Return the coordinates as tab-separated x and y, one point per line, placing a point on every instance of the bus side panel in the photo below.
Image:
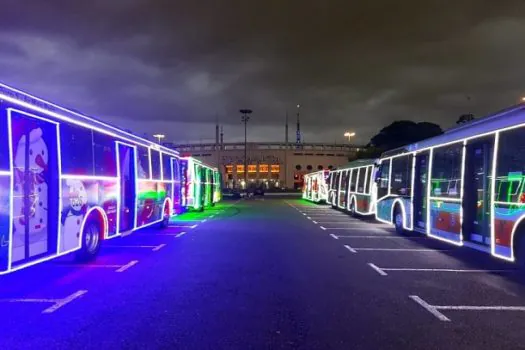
4	222
505	218
445	220
80	195
384	209
150	199
362	203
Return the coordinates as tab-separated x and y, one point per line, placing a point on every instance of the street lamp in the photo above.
349	135
523	99
245	118
159	137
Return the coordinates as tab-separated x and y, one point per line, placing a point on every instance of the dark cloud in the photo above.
177	66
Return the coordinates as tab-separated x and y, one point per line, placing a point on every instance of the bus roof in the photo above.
357	163
37	104
509	117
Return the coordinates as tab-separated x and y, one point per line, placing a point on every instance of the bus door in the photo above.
420	190
35	187
126	156
476	190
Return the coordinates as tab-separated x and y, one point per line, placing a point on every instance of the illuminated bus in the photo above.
465	187
202	184
68	181
315	187
353	187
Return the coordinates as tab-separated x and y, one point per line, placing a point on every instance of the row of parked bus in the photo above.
69	181
464	187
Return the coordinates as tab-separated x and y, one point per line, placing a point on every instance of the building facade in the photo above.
271	164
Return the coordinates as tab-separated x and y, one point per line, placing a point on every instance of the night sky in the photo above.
173	66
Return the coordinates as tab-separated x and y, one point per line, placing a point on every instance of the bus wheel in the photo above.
352	208
90	242
519	250
166	219
398	221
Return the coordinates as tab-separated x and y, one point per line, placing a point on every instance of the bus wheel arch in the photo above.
93	230
352	207
398	217
518	241
166	213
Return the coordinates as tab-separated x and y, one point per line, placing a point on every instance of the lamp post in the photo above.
245	118
159	137
349	135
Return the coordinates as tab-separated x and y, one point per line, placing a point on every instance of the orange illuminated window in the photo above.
263	168
275	168
229	169
240	168
252	168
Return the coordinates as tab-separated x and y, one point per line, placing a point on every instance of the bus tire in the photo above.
519	247
166	218
352	208
398	221
91	240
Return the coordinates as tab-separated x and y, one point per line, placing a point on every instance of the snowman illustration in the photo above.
75	208
30	183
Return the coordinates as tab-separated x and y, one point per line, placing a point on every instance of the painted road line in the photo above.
180	234
315	222
354	228
378	270
131	246
409	269
192	227
352	250
309	218
432	309
402	249
204	220
127	266
57	303
322	228
159	247
62	302
334	236
380	235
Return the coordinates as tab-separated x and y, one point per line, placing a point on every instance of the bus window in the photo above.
446	171
510	167
370	178
166	167
383	185
155	164
401	175
143	163
77	150
353	180
4	145
104	155
361	180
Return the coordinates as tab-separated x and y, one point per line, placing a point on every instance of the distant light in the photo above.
523	99
298	106
348	134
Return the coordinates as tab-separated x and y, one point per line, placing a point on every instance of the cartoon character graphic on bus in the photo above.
75	207
30	193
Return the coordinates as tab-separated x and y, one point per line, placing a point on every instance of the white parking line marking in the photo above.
57	303
192	227
180	234
127	266
204	220
350	248
379	270
334	236
429	308
315	222
309	218
379	235
322	228
409	269
403	249
159	247
62	302
355	228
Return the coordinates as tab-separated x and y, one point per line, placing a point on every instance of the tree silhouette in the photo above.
465	118
403	132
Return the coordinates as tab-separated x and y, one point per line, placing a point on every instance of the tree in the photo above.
465	118
403	132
